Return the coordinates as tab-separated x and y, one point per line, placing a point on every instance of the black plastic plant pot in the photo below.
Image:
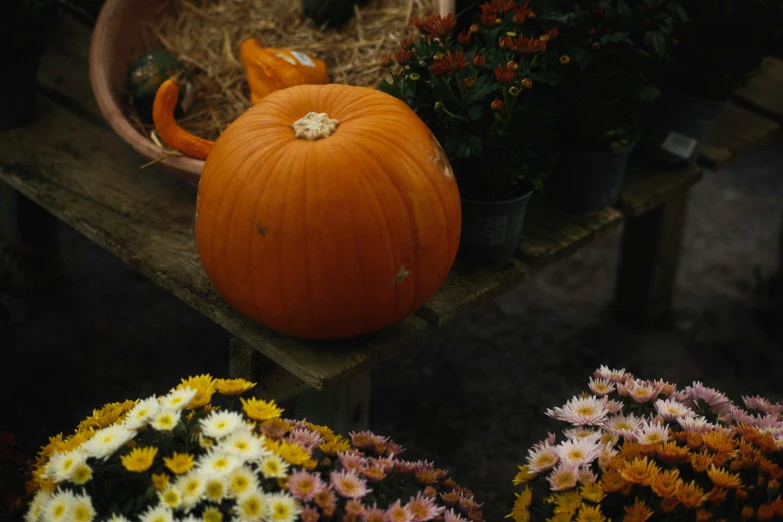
17	94
491	229
586	181
677	128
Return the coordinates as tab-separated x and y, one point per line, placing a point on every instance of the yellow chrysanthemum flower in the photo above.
160	480
589	513
204	386
179	463
560	517
334	446
260	410
638	512
567	502
139	459
292	453
521	510
323	431
592	492
524	475
233	386
309	464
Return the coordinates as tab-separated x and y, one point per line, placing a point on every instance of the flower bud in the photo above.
512	65
565	59
527	83
544	37
438	106
479	60
468	83
496	105
513	91
403	56
475	28
414	76
386	60
407	44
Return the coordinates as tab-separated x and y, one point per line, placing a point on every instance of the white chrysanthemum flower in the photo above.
141	414
604	372
563	477
191	486
61	465
273	466
115	517
626	426
605	456
58	509
166	419
586	476
177	399
216	463
190	518
577	452
283	507
245	445
171	497
216	489
542	457
601	386
581	411
159	513
242	480
221	424
108	440
652	433
670	409
253	506
37	506
695	424
82	509
583	433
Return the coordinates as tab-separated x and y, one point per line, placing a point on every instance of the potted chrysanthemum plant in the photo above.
705	67
204	452
613	51
636	450
471	88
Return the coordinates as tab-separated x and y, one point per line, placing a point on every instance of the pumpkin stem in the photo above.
169	131
314	126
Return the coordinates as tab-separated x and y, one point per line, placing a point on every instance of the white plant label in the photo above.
680	145
303	59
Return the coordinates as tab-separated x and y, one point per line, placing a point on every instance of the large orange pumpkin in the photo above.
327	211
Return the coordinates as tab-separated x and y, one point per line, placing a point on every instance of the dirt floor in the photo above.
471	396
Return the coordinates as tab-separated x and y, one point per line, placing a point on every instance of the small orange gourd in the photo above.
269	69
167	127
327	211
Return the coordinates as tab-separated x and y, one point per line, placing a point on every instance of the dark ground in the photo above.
471	396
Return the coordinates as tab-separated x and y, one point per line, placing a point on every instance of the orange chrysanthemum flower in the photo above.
703	515
724	479
638	512
748	513
639	471
612	481
765	512
669	504
690	495
666	483
777	505
671	453
717	495
770	468
719	442
695	440
740	494
701	461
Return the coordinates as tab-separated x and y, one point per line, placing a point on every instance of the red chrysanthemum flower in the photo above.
436	26
450	63
504	74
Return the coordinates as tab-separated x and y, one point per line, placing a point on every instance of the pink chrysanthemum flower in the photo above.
305	438
424	508
354	507
398	513
352	460
769	424
309	514
468	504
542	457
605	456
304	485
583	433
404	466
762	404
384	463
586	476
622	390
452	516
581	411
717	401
374	514
563	477
614	407
348	484
369	441
601	386
577	452
695	424
603	372
652	433
738	415
666	389
374	473
670	409
642	391
626	426
392	449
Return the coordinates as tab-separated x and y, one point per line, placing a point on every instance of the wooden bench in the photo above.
72	165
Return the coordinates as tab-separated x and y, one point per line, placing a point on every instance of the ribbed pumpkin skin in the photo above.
314	238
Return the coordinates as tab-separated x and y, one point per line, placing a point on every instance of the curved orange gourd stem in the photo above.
169	131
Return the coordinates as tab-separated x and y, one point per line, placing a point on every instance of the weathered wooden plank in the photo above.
274	381
764	91
737	132
467	287
550	233
647	186
87	177
649	260
345	408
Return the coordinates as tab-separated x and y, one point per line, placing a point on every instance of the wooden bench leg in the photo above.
344	408
648	263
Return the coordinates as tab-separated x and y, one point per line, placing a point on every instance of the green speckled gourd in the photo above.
333	13
145	74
